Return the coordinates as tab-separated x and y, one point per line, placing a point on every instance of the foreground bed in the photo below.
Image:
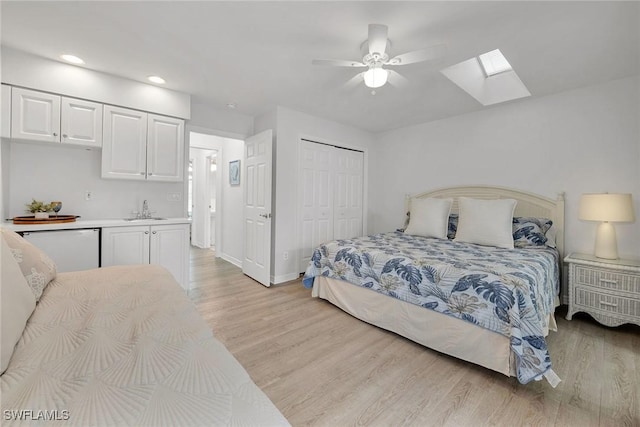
124	346
489	306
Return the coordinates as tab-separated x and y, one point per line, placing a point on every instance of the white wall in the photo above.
23	69
60	173
290	127
231	215
226	123
582	141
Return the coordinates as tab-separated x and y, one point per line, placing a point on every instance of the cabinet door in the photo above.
165	148
5	112
35	115
124	143
170	249
125	245
81	122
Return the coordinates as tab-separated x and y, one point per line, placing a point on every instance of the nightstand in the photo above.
609	290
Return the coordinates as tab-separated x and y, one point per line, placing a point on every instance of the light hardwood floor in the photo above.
322	367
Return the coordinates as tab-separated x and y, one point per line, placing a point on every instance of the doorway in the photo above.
203	171
216	217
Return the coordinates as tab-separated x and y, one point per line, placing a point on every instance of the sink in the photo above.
154	218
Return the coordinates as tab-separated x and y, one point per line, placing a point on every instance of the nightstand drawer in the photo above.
587	297
607	279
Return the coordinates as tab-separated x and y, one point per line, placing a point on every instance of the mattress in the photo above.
511	292
125	346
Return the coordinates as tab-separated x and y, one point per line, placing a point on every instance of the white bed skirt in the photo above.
435	330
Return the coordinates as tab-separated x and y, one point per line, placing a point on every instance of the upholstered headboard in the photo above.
529	204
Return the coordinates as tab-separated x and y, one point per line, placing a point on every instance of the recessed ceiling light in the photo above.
72	58
156	79
232	105
494	63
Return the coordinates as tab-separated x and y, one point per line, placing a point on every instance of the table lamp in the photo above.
607	208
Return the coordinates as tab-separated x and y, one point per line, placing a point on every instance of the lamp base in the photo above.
606	242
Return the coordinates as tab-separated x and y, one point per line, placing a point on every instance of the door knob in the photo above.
268	215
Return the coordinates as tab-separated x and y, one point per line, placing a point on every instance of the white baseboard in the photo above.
232	260
284	278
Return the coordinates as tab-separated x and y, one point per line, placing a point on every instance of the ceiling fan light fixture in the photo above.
376	77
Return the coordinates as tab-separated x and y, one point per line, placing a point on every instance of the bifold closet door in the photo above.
347	201
315	197
330	195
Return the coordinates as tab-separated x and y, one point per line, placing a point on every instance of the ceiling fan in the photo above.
376	57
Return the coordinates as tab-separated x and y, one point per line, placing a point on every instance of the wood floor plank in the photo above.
323	367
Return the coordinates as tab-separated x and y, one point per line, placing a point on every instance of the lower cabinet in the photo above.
165	245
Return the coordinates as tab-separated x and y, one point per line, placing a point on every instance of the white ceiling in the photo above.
258	54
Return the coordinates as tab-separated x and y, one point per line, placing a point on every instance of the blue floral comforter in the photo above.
509	291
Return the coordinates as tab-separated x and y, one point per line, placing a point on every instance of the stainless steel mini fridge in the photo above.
71	250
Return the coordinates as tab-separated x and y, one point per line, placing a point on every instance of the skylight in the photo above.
488	78
494	63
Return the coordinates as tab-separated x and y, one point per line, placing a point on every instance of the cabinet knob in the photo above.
154	232
64	135
55	134
146	232
150	173
141	173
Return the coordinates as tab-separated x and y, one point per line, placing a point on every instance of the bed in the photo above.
113	346
490	306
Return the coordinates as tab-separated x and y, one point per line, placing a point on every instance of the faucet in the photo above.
145	210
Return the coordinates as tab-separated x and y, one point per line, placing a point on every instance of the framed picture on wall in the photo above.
234	172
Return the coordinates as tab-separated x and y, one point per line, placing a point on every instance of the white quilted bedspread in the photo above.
125	346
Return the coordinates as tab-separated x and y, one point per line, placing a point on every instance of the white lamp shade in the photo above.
606	207
376	77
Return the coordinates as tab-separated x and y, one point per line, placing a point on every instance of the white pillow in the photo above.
429	217
36	266
16	304
486	222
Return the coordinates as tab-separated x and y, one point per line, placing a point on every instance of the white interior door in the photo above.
316	196
256	260
348	193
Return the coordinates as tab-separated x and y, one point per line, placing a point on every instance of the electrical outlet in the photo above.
88	195
174	197
285	255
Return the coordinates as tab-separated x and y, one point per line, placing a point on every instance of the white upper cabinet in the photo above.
165	148
81	122
39	116
124	143
35	115
5	112
137	145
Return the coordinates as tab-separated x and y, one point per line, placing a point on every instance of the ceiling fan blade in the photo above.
427	54
337	63
378	38
354	81
396	79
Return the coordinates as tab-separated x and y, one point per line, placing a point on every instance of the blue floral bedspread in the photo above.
509	291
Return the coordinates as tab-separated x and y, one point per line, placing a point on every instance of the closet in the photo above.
330	195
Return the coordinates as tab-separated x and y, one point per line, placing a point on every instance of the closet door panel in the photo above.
348	191
316	197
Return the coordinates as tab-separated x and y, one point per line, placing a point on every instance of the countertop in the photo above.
93	223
